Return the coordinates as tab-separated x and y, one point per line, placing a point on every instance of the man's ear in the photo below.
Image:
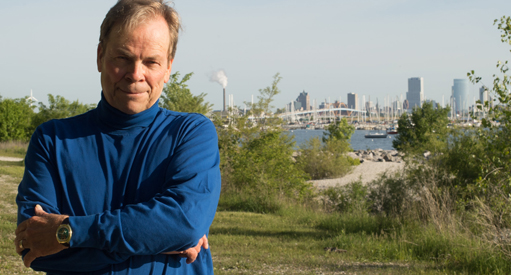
169	69
99	57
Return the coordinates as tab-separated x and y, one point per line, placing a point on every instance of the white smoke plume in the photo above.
219	77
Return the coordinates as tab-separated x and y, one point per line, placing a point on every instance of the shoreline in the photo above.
365	172
373	163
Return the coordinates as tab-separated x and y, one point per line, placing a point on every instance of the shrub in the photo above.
257	164
323	161
351	198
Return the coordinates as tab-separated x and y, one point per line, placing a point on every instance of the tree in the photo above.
257	164
495	133
339	130
262	108
328	159
424	129
177	97
15	119
59	108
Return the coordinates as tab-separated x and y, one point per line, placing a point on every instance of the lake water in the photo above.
358	141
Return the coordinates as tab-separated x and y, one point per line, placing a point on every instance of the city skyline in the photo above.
366	47
415	96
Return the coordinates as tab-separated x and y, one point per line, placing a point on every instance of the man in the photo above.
119	189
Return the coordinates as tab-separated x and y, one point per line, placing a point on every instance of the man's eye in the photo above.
152	62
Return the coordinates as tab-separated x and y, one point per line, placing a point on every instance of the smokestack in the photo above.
220	78
224	99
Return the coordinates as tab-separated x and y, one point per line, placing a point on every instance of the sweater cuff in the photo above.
83	235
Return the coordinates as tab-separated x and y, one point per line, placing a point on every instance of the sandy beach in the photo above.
366	171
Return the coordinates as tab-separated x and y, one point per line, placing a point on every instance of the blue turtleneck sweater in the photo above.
134	186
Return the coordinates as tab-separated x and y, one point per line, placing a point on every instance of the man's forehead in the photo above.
122	39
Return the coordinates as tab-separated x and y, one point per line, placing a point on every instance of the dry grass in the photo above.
10	262
13	149
494	225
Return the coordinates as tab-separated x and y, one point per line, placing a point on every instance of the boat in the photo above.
376	135
392	131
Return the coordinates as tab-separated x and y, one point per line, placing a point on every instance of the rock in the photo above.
381	160
352	155
426	154
388	157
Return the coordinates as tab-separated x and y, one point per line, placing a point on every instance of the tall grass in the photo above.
13	149
10	262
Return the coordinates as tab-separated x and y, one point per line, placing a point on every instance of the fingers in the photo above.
205	243
20	245
21	227
191	257
39	211
29	258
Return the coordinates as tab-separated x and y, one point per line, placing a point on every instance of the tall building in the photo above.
415	94
460	96
483	94
295	106
304	99
353	101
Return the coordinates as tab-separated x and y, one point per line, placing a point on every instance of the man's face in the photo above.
134	66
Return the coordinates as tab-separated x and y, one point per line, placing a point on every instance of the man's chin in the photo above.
132	108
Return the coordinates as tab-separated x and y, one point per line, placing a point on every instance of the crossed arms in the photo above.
174	219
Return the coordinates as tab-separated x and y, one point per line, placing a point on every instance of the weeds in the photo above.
13	149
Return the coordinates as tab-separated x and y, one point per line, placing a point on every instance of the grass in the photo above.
16	149
297	240
10	176
301	242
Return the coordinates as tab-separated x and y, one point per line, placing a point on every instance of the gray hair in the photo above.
129	14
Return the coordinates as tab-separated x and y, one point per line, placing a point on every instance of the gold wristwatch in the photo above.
64	233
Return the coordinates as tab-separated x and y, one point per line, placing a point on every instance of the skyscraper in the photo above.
483	94
353	101
460	95
304	99
415	94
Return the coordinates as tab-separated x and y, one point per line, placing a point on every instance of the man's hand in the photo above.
38	235
191	253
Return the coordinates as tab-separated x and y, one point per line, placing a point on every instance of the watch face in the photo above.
63	233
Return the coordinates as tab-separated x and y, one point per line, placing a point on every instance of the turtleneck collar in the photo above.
117	120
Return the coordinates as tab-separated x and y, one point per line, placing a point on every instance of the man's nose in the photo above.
136	72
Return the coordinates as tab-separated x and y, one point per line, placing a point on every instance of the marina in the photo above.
357	141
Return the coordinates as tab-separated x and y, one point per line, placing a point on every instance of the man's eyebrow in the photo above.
127	53
122	51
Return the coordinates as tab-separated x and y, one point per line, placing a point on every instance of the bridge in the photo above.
320	113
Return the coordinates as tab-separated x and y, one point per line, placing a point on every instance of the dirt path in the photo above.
366	172
10	159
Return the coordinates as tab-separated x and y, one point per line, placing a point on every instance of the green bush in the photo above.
351	198
177	97
324	160
58	108
257	164
15	120
425	129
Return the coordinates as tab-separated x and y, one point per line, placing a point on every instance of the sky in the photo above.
327	48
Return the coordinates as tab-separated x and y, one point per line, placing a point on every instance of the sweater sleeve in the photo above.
37	188
173	220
